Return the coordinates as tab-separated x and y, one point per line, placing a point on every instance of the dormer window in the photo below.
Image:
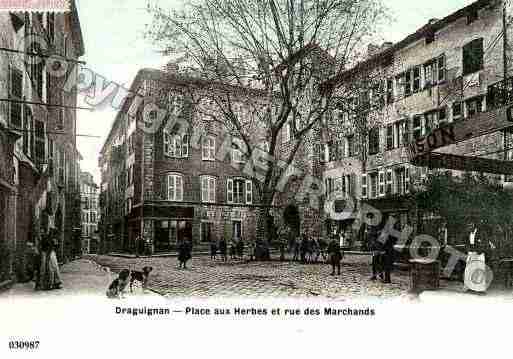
472	16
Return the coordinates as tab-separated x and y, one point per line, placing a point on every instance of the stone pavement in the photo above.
205	278
80	277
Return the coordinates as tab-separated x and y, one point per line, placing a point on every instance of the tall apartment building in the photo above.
90	213
165	186
40	163
444	73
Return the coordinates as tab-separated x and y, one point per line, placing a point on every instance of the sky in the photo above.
115	47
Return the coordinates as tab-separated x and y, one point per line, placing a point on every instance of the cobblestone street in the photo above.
205	278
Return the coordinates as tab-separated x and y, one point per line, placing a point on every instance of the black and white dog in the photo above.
140	276
118	285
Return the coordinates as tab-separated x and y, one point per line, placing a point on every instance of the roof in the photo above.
77	29
429	28
172	79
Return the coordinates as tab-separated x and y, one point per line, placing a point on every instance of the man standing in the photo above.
335	255
376	248
222	249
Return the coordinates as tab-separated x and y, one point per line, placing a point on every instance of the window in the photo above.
176	146
208	189
28	131
206	231
16	93
431	121
50	27
400	181
388	182
390	91
472	16
430	37
473	56
208	148
236	230
373	182
404	132
474	106
364	186
238	150
374	141
351	146
381	183
37	69
417	127
457	111
416	79
329	184
441	68
249	192
174	188
60	115
239	191
442	117
390	137
407	83
40	141
508	150
430	77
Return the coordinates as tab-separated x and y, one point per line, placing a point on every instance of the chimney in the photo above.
432	21
372	49
171	67
386	45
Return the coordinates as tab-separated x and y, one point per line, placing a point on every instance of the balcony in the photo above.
500	94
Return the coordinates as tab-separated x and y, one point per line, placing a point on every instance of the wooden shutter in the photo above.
364	186
185	146
171	188
212	189
229	190
179	188
249	192
166	142
204	189
389	182
407	178
381	178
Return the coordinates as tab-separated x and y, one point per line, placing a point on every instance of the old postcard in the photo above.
305	177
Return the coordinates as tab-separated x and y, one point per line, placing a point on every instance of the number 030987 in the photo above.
24	344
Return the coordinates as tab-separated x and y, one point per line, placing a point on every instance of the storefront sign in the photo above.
481	124
464	163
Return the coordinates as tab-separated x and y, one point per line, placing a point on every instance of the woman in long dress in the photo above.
50	276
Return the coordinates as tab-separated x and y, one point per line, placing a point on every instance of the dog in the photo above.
140	276
118	285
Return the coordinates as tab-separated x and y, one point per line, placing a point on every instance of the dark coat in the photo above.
222	246
334	251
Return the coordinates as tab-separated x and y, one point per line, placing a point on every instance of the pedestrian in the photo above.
240	248
213	249
322	248
139	246
296	248
233	249
314	246
33	258
251	250
376	248
222	249
49	274
335	255
388	258
183	253
303	249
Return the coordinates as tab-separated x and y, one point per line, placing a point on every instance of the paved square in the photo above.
206	278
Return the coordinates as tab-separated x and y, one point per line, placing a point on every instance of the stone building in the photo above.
90	213
39	187
440	75
165	186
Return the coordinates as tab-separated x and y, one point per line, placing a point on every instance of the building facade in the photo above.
38	127
90	213
165	186
440	75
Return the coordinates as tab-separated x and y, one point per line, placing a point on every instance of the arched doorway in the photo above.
292	219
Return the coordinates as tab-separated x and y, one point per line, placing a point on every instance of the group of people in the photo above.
308	250
43	266
236	249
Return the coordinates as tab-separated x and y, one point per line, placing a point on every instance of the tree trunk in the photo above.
264	231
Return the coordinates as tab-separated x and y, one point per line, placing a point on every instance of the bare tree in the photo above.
283	49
